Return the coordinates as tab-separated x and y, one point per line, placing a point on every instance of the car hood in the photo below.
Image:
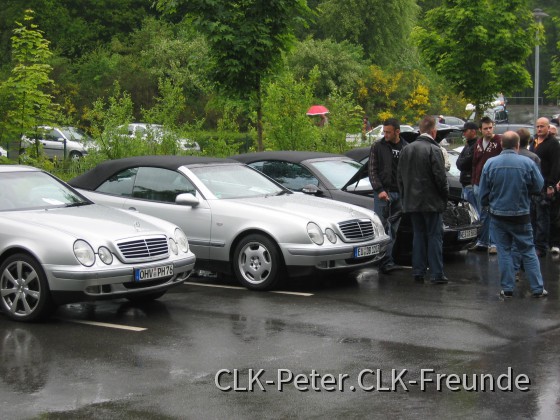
308	207
87	221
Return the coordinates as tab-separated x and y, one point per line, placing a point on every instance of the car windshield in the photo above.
24	190
236	181
75	134
338	172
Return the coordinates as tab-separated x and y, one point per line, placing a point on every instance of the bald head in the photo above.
543	125
510	140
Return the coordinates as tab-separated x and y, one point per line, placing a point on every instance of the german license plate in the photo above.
366	251
467	234
143	274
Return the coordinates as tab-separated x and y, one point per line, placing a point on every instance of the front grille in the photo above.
145	249
357	229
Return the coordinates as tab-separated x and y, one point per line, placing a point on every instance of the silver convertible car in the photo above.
238	220
57	247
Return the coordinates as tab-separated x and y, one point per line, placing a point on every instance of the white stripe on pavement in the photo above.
104	324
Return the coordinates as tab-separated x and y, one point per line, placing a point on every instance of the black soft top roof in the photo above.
293	156
96	176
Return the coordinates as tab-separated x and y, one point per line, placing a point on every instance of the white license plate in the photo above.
467	234
366	251
143	274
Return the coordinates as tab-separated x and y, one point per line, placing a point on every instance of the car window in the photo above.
158	184
290	175
120	184
338	172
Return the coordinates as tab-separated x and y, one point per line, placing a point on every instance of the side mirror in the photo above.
311	189
187	199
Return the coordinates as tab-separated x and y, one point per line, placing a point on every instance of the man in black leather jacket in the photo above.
424	191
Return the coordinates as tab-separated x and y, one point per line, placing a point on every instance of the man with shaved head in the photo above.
547	148
506	184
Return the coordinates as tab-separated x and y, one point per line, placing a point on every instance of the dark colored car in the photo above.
344	178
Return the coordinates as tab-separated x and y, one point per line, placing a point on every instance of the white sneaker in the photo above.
555	250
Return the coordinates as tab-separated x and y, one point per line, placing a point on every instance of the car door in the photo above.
154	192
53	143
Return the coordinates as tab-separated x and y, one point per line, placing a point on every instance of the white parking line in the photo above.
243	288
104	324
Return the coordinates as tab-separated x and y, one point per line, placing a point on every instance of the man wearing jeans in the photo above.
506	183
465	162
383	162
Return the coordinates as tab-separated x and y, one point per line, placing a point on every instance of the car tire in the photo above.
257	263
146	297
75	156
24	290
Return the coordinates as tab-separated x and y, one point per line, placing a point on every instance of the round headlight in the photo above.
331	236
105	255
182	240
315	233
173	246
84	253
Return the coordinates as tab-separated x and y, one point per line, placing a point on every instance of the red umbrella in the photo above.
317	110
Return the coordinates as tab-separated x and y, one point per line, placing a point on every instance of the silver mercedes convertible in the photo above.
238	220
57	247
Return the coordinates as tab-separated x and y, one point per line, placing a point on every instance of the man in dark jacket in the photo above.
547	148
424	190
464	162
383	162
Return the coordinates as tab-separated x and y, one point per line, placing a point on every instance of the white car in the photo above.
3	152
56	142
238	220
156	132
58	247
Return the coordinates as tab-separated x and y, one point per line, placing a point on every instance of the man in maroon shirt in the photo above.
487	146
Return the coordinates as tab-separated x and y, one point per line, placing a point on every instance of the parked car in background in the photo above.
451	121
498	114
238	220
377	132
56	142
3	152
57	247
345	178
157	132
502	128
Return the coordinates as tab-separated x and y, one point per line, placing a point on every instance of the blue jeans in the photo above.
468	194
485	236
394	205
518	238
427	244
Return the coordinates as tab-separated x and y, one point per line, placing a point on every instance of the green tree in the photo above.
27	89
479	46
381	27
247	39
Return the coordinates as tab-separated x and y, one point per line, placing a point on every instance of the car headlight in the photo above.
182	240
105	255
84	253
315	233
173	246
331	236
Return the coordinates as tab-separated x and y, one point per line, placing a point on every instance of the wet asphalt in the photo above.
363	345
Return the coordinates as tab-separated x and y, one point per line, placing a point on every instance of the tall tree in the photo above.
381	27
247	39
27	90
480	46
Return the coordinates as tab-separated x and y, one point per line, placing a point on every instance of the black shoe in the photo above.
440	280
419	279
506	294
386	269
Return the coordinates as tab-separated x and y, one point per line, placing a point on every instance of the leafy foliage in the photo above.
480	47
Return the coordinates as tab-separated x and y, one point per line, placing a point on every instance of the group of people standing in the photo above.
508	179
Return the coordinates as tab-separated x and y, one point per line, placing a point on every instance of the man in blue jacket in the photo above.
506	183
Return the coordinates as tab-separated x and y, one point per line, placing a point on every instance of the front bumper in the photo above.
76	283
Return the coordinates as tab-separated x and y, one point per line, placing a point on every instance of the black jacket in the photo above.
464	163
422	178
380	164
549	153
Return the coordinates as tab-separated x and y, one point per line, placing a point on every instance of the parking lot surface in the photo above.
366	345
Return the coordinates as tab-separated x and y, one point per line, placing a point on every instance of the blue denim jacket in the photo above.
506	183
